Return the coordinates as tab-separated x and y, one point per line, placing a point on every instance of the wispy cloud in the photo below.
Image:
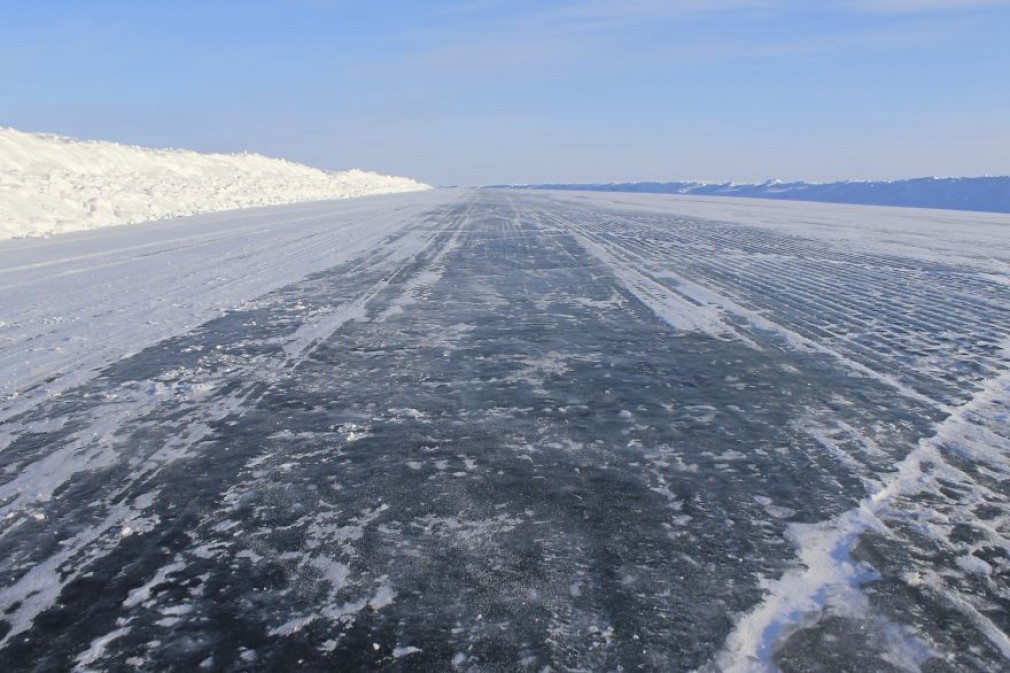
532	39
918	6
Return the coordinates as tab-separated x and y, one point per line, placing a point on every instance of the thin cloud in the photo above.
919	6
555	36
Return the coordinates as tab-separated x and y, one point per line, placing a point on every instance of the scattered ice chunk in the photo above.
974	565
384	595
97	648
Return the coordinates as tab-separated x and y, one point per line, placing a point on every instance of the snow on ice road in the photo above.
495	430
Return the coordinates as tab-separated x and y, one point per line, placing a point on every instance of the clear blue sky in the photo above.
479	91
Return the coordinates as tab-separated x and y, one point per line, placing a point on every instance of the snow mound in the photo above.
53	184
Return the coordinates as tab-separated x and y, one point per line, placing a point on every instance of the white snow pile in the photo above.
53	184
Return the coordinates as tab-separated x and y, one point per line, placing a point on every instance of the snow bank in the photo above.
53	184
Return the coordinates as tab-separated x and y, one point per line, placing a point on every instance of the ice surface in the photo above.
505	431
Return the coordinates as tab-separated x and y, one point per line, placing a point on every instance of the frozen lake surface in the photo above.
503	430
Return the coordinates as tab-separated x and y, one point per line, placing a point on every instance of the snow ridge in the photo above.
53	184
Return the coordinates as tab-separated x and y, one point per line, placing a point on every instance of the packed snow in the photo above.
52	184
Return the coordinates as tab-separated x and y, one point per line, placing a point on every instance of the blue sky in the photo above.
481	91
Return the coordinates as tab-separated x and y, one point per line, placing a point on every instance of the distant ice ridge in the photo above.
53	184
982	194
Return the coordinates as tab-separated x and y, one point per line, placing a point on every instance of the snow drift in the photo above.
53	184
990	194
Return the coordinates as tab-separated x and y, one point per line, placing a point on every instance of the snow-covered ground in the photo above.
52	184
990	193
923	233
73	303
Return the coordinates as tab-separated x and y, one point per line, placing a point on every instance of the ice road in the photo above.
486	430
